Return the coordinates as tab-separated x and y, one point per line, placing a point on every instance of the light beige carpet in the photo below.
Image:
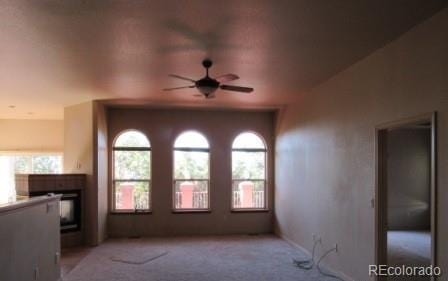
411	248
239	258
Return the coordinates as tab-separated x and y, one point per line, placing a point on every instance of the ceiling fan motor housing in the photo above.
207	85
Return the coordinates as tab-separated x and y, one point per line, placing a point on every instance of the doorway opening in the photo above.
406	193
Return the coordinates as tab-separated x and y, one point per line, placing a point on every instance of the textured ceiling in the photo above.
63	52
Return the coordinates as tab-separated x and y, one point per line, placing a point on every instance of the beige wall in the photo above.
78	138
31	135
78	158
162	126
409	179
325	152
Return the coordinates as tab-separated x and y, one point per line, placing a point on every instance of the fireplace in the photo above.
71	187
70	209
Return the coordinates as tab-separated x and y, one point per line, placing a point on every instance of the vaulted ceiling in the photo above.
55	53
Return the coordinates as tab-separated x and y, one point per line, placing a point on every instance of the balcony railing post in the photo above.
127	197
186	189
247	188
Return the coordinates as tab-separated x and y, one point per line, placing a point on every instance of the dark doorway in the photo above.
406	186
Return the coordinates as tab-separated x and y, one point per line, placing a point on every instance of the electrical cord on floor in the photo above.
306	264
139	262
321	271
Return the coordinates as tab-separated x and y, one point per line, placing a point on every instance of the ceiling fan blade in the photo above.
177	88
227	78
181	77
236	88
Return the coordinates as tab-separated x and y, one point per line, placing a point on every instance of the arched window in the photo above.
191	172
131	172
248	172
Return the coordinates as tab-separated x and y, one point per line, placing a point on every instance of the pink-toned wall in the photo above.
162	126
325	152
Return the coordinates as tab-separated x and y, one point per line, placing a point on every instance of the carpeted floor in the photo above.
71	257
248	258
412	248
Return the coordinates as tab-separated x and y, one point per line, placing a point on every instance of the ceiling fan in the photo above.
207	85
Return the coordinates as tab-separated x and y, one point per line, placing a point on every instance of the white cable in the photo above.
306	264
321	271
138	262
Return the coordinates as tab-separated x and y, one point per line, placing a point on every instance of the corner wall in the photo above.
85	151
101	167
78	158
325	152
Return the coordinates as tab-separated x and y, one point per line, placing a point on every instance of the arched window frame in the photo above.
176	201
115	180
234	206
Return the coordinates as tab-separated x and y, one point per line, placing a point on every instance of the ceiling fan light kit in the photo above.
207	85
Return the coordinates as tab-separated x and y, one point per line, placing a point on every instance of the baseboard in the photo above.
322	265
294	244
126	235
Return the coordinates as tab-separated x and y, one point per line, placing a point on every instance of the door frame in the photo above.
381	185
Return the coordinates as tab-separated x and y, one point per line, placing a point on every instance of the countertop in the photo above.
24	201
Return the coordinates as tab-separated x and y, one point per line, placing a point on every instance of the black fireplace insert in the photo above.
70	209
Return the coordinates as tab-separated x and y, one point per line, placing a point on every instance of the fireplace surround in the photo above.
71	187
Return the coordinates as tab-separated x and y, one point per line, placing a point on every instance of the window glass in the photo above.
132	164
132	139
191	172
248	172
248	140
131	172
191	139
12	163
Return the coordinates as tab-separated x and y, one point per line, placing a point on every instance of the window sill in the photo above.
130	213
250	210
191	211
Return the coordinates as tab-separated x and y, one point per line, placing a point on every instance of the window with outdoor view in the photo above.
248	172
131	172
13	162
38	164
191	172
